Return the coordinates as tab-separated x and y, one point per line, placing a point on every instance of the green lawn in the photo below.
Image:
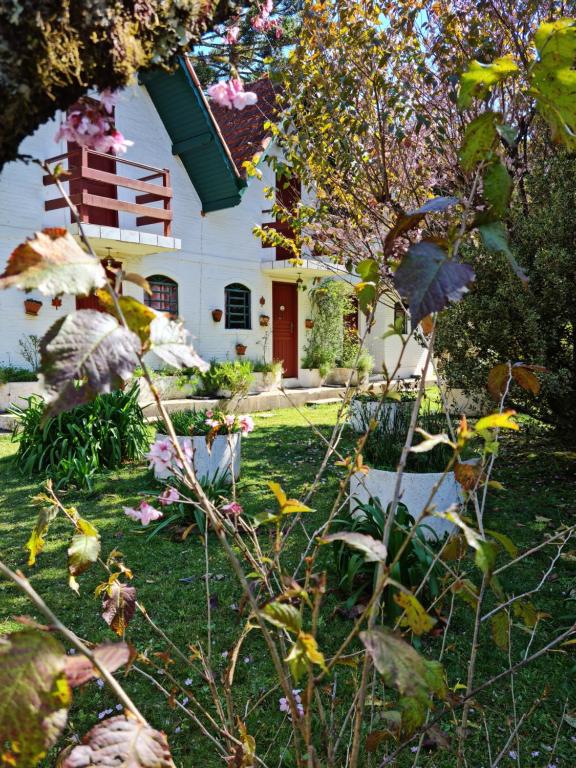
540	495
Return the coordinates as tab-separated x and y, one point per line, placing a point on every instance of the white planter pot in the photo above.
13	391
309	378
225	453
341	376
414	493
265	382
361	413
169	387
459	402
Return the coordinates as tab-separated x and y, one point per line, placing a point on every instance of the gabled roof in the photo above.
196	136
243	130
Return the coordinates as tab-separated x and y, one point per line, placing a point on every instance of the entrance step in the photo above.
327	401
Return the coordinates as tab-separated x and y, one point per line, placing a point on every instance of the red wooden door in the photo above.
285	326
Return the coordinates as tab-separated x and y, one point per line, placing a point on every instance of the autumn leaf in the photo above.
414	615
82	552
478	79
52	262
137	315
119	605
283	615
497	381
373	550
85	354
468	475
430	279
287	506
79	669
497	421
121	741
35	694
500	624
36	542
305	651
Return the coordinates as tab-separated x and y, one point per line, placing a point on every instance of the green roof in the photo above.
195	136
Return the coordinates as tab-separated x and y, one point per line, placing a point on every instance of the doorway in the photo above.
285	327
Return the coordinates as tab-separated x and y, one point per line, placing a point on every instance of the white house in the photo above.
179	210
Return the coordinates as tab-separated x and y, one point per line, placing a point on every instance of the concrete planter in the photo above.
473	405
415	492
224	454
361	413
341	376
309	378
13	392
265	382
169	387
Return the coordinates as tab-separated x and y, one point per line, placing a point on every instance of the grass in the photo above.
541	495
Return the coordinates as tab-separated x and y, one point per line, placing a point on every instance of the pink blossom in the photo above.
229	420
213	423
91	125
246	424
109	99
231	94
117	143
187	450
233	509
232	34
169	496
285	706
145	513
161	454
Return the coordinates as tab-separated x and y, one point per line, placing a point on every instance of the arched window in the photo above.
164	296
400	317
237	302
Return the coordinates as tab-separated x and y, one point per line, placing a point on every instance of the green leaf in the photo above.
430	280
485	551
402	668
480	78
284	616
495	239
169	340
304	652
500	625
497	187
554	78
35	694
485	557
121	741
52	262
35	543
82	552
84	354
373	550
479	140
505	541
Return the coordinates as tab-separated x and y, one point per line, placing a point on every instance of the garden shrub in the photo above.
330	301
500	320
353	356
14	373
73	446
233	375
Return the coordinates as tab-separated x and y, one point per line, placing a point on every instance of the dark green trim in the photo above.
195	137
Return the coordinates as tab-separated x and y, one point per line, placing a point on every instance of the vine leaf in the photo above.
414	615
373	550
554	78
287	506
35	694
500	624
497	421
137	315
82	552
480	78
495	239
479	140
79	669
305	651
36	542
522	373
52	262
497	187
403	668
84	354
407	221
485	557
121	741
119	605
430	280
284	616
169	340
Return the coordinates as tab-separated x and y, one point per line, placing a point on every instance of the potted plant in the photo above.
313	369
264	320
370	405
241	349
32	306
210	439
266	376
354	364
216	315
228	378
423	471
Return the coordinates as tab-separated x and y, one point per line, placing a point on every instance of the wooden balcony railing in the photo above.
101	193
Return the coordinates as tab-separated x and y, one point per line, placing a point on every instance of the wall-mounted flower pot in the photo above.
57	302
264	321
240	349
32	306
216	315
309	323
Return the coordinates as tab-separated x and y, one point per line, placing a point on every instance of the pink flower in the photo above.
160	454
232	34
90	125
233	509
246	424
229	420
169	496
231	94
213	423
108	99
285	706
117	143
145	513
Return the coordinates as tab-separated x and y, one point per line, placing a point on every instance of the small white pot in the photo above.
309	378
414	493
224	453
13	391
265	382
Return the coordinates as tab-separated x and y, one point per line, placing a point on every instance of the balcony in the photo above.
125	206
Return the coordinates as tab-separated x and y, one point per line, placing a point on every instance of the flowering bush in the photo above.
91	124
211	421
